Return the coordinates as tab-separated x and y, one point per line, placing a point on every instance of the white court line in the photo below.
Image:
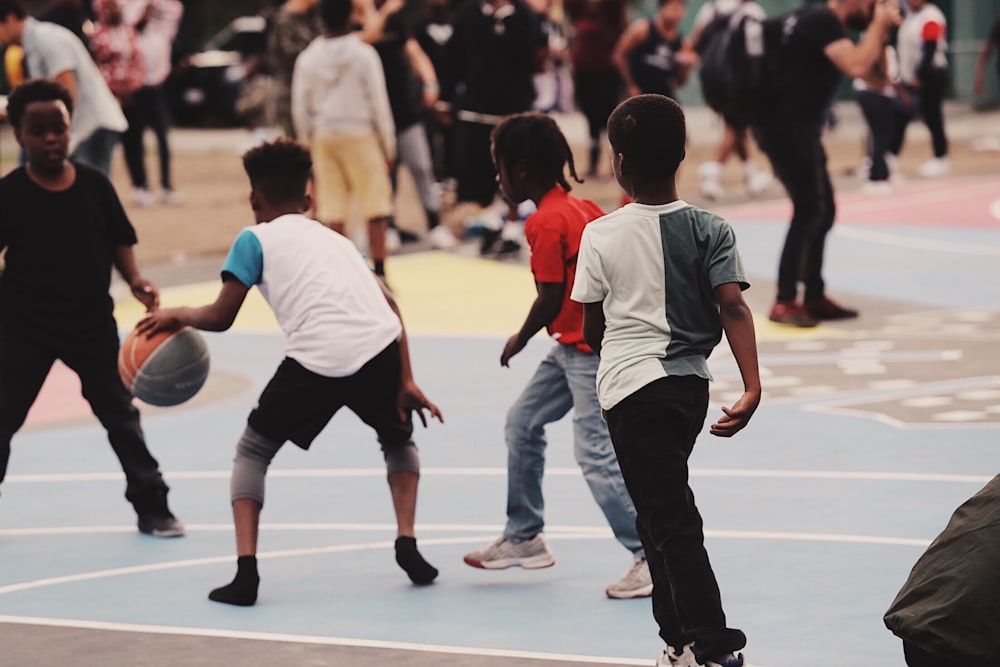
369	546
312	639
885	238
501	472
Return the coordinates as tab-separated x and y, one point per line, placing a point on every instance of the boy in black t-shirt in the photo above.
63	228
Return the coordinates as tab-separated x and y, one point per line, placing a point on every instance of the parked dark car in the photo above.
204	86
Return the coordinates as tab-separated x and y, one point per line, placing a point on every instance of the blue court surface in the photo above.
870	433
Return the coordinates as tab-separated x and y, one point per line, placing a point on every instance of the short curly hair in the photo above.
650	132
35	90
279	169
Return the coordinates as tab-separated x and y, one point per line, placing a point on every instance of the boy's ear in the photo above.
254	200
307	202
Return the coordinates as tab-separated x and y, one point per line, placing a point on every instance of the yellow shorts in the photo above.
350	163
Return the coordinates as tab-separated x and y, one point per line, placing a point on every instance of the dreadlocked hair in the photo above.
534	141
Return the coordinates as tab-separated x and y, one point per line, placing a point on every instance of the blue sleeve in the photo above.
245	261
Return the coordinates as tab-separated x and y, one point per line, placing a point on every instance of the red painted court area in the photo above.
952	202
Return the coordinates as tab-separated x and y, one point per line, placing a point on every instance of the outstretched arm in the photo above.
737	321
410	396
634	34
142	289
545	308
217	316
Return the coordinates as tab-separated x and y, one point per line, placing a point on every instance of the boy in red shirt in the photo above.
530	154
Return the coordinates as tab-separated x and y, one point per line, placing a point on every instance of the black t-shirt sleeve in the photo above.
119	227
821	27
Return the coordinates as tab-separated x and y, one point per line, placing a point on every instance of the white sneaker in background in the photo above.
757	181
877	188
392	240
711	180
171	198
442	238
895	175
935	168
142	197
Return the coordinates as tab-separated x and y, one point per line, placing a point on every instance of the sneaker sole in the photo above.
176	532
643	592
534	563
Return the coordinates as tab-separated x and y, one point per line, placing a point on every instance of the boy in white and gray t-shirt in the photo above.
659	281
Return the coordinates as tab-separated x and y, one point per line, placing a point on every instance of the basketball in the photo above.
165	369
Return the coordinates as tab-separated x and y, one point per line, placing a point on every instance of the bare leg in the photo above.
242	591
403	486
246	518
376	243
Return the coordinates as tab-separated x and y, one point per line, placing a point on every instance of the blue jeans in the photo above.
566	379
96	150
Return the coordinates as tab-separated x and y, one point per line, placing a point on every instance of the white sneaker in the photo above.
877	188
895	175
142	197
392	240
935	168
670	657
530	554
171	198
635	584
758	181
442	238
711	180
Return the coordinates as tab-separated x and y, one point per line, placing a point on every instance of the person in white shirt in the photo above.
345	346
923	63
53	52
340	106
156	23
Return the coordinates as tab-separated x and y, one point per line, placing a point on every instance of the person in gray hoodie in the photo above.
340	107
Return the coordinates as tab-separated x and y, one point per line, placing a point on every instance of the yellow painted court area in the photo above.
439	293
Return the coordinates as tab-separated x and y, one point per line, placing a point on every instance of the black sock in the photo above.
242	591
379	267
420	571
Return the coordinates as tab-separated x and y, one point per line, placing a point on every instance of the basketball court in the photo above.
870	433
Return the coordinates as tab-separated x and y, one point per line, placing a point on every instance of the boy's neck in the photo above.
656	196
54	179
536	195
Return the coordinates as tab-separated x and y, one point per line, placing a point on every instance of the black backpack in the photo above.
735	65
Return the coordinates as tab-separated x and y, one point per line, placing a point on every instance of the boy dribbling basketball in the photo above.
345	347
64	228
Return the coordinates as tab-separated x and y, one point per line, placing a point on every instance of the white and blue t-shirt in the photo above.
655	269
324	296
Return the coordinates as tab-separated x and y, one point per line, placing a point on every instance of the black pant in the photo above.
147	108
880	112
653	432
798	159
597	94
930	96
477	177
24	364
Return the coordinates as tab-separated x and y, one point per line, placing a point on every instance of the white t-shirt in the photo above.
51	49
910	41
326	299
655	269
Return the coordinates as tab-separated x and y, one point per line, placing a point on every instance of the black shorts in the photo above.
297	404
